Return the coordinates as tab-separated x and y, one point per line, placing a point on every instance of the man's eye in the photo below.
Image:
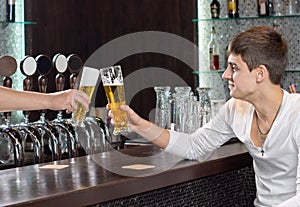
231	67
234	68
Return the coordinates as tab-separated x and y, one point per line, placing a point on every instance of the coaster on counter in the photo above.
54	167
138	167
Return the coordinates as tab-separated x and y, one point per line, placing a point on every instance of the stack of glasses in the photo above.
182	111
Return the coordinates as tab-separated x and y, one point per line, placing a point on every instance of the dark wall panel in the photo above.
81	27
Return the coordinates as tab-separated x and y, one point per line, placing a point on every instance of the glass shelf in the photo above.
4	22
253	17
292	71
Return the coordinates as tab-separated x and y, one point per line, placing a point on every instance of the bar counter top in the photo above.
106	176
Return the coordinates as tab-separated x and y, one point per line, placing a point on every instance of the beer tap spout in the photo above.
17	146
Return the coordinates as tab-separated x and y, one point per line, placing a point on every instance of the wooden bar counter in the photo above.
88	181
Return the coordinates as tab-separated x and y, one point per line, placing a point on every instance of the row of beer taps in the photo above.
44	140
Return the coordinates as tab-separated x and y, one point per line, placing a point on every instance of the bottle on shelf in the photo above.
214	61
290	7
10	10
215	9
233	8
265	7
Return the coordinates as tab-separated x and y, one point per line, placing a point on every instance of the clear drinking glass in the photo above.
87	84
112	80
162	110
181	99
205	105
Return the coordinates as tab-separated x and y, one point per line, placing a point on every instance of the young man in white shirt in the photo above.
260	114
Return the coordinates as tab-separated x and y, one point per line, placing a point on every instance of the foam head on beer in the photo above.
88	81
112	80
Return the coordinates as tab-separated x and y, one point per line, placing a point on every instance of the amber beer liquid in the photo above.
116	97
79	114
113	84
88	80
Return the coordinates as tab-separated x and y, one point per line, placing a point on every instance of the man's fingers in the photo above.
110	114
71	107
82	98
108	106
124	107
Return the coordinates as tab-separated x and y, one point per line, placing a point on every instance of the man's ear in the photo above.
261	73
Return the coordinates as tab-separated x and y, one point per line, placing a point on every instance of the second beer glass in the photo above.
114	89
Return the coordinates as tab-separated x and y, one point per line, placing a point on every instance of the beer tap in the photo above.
8	66
28	67
16	143
60	64
75	65
48	137
73	143
37	134
66	138
98	139
49	134
43	67
30	142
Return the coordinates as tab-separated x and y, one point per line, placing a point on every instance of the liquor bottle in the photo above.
290	7
271	6
233	8
265	8
214	61
10	10
215	9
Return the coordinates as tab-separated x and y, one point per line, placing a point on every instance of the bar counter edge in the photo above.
85	182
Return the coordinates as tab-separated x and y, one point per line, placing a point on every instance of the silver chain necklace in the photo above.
263	136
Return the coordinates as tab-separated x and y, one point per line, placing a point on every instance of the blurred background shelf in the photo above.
5	22
246	18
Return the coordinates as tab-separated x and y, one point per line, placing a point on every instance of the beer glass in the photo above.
87	84
112	80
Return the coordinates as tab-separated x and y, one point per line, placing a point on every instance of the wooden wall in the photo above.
81	27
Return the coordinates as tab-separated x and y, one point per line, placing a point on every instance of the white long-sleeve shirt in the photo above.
277	172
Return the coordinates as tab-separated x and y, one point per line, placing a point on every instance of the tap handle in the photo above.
75	65
60	64
28	68
8	65
73	79
27	84
7	82
60	82
43	82
44	65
